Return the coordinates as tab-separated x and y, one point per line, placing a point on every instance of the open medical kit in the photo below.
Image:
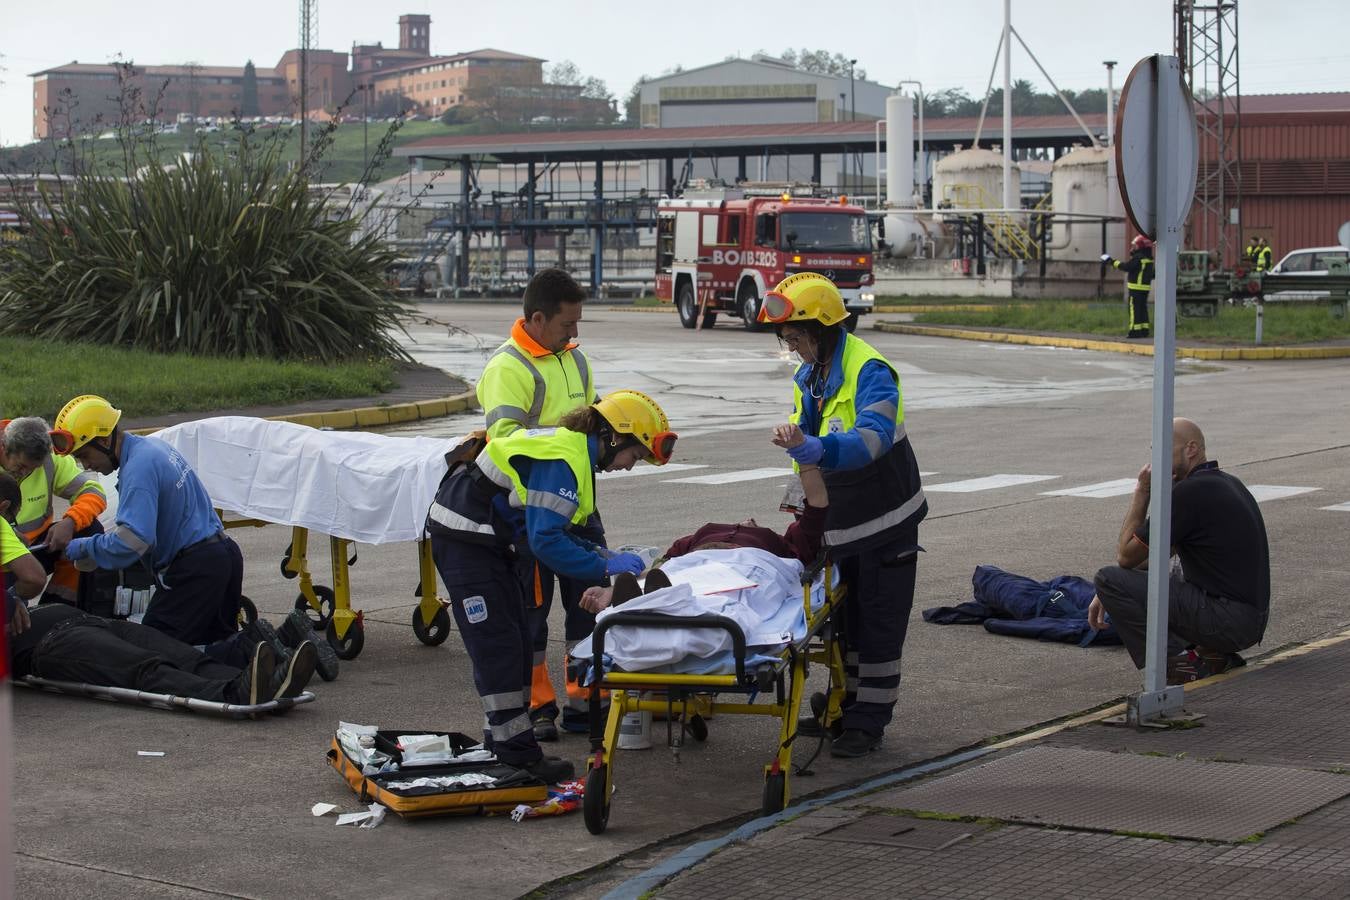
420	773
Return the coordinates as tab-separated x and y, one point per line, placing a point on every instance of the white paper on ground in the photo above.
149	752
369	819
322	809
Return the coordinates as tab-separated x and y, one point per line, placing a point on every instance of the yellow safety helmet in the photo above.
803	296
83	419
634	413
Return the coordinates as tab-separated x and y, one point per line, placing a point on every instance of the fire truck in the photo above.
720	249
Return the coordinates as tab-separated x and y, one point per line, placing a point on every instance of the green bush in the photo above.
222	255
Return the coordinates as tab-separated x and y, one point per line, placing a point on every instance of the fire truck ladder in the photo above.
1005	235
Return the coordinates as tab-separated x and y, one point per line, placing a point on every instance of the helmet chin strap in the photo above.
109	449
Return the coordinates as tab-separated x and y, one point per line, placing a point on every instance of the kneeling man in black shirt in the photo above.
1221	601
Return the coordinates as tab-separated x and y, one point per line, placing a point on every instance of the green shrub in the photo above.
221	255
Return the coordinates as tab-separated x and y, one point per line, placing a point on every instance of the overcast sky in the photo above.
1294	45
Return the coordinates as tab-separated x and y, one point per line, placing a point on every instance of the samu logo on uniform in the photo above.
567	494
475	609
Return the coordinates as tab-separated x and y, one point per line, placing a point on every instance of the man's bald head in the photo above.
1188	447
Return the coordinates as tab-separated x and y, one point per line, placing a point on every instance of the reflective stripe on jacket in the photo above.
524	385
59	475
873	503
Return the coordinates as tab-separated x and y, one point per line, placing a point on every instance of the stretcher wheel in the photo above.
432	635
350	646
248	612
595	805
698	728
325	612
285	564
775	793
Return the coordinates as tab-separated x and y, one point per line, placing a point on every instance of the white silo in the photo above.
1078	184
902	231
972	179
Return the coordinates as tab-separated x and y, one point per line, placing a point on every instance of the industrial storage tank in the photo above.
1079	184
972	179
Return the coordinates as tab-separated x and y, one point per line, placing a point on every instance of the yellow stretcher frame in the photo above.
693	698
343	626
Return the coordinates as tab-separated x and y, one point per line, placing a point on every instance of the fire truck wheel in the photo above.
749	306
687	306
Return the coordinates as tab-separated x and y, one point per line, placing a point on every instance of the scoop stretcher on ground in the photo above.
351	486
691	699
166	701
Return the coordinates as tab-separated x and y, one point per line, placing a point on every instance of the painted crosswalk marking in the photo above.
1339	507
987	483
1264	492
643	469
732	477
1117	488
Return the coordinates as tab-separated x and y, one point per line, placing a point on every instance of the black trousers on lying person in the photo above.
114	653
1193	617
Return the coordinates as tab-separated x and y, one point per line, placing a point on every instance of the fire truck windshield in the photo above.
825	232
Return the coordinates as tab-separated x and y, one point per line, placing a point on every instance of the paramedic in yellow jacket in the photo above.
847	401
26	454
532	381
535	487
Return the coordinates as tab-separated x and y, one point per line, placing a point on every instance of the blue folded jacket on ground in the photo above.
1054	610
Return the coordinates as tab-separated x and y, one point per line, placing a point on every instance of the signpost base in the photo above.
1146	707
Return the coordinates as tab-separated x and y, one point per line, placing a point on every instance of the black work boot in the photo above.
297	629
551	769
545	729
853	743
810	727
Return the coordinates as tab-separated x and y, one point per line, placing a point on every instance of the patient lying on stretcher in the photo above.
801	541
742	572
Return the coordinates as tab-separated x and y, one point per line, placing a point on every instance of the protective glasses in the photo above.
63	442
777	308
662	446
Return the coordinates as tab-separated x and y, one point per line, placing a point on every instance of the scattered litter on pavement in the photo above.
364	819
149	752
322	809
564	799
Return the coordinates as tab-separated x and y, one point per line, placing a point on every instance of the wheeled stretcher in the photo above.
166	701
350	486
763	688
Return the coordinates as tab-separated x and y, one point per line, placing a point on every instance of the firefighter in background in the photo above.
1263	255
26	454
1138	271
846	400
535	487
532	381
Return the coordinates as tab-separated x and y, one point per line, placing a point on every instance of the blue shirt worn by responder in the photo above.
846	399
1138	271
533	379
533	486
165	520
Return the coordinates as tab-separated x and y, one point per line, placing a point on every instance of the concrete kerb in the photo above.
685	859
1142	349
371	416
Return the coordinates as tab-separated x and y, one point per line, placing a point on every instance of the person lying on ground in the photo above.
1220	603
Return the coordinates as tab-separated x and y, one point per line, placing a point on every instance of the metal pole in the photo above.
365	127
1110	104
462	275
1156	699
529	214
1007	105
598	242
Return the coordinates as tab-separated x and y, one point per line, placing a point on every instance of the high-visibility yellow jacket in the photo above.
59	476
524	385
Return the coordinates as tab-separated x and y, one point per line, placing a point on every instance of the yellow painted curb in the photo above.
373	416
663	308
1042	340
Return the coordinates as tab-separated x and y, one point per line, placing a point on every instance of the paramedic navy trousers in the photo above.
197	598
537	582
116	653
880	586
489	610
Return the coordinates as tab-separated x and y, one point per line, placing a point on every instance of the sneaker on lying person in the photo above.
294	672
253	686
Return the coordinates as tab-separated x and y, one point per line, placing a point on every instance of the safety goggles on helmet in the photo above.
777	308
662	446
63	442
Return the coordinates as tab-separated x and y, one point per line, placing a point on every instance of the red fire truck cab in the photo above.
720	250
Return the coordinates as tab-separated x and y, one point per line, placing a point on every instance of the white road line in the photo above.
926	474
732	477
1117	488
1339	507
1264	492
987	483
644	469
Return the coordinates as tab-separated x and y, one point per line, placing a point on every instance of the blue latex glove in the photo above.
808	452
625	562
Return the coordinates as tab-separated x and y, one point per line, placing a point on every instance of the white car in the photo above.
1309	262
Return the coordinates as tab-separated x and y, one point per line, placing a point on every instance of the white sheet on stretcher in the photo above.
364	487
769	613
